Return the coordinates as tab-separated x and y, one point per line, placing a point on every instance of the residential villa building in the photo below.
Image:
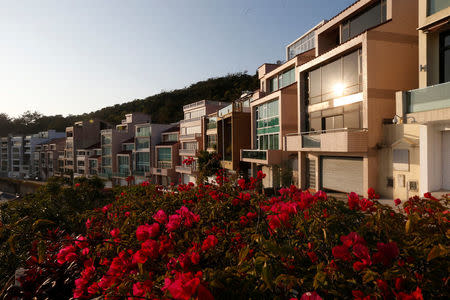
5	155
345	94
111	145
417	153
274	111
233	133
81	135
146	138
46	158
167	157
83	157
192	130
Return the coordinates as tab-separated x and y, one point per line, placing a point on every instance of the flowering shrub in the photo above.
228	240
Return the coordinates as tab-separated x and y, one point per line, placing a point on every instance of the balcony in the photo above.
261	156
187	152
185	169
191	136
121	174
141	173
335	140
164	165
434	97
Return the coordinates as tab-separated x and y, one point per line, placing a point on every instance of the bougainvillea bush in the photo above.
228	241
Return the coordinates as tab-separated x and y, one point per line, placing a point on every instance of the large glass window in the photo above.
436	5
171	137
164	154
106	139
143	131
445	57
142	161
190	146
142	143
302	45
371	17
339	78
284	79
124	164
106	161
106	150
267	125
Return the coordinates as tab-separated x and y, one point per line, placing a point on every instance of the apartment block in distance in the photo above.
146	138
274	112
81	135
111	144
167	157
192	130
46	156
5	153
363	56
417	153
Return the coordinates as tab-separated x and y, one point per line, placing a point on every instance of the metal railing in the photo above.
164	165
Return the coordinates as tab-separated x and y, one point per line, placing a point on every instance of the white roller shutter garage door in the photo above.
342	174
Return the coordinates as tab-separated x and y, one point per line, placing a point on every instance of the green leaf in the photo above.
11	242
267	275
243	254
42	222
408	225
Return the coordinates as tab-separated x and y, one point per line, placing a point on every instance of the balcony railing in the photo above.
332	140
254	154
121	174
164	165
185	169
429	98
188	152
190	136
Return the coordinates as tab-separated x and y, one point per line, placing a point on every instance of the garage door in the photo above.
342	174
446	160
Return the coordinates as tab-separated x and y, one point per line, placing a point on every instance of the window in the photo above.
143	131
106	161
339	78
433	6
445	57
171	137
106	139
142	143
401	159
124	164
274	84
284	79
371	17
267	125
142	161
128	147
190	146
164	154
106	150
302	45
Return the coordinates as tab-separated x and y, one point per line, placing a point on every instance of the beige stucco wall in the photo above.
400	136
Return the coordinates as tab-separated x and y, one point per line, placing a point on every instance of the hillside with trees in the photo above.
165	107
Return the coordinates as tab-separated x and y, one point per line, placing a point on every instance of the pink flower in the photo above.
210	242
174	223
115	233
146	231
160	217
310	296
397	202
66	254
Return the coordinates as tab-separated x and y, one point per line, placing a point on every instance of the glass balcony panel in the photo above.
429	98
254	154
311	141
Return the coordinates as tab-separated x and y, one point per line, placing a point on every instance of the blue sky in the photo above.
70	57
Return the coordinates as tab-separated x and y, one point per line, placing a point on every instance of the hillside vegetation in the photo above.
165	107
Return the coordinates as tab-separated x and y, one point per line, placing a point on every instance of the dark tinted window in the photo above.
445	57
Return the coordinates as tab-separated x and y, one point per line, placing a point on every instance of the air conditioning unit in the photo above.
413	185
